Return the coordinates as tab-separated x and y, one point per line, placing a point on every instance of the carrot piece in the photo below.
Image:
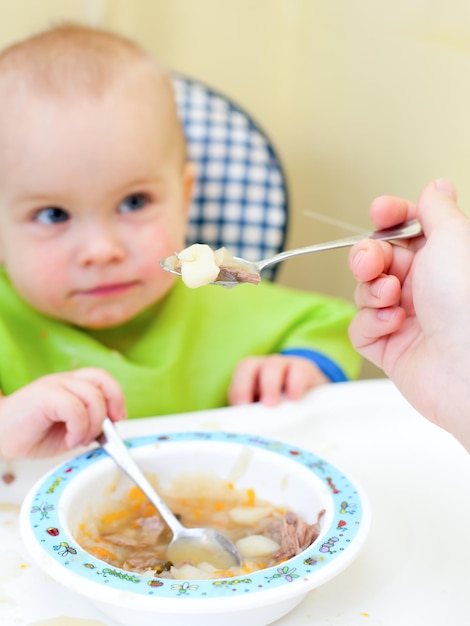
136	494
84	531
114	516
250	493
148	510
102	553
222	573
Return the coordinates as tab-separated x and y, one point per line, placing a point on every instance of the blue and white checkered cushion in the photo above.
240	196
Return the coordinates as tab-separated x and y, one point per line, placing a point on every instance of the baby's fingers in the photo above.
259	379
75	414
272	379
110	390
301	376
82	409
287	377
100	395
244	386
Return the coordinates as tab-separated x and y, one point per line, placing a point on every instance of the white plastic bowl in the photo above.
282	474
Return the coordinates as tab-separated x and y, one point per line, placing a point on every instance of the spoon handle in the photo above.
113	445
407	230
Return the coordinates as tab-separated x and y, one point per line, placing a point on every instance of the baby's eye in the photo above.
52	215
134	202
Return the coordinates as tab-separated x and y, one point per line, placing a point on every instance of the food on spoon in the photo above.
130	534
200	265
235	270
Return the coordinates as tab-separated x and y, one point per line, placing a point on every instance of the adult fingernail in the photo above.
443	186
385	315
376	287
356	260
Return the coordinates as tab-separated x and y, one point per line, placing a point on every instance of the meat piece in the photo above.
238	275
145	561
147	533
294	535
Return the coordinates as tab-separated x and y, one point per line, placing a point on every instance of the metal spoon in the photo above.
249	272
188	544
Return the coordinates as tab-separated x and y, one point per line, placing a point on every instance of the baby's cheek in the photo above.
148	268
53	302
50	282
157	282
154	247
56	278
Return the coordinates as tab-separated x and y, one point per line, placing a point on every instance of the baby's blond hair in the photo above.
74	56
80	61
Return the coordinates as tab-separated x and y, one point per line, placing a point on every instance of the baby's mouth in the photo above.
107	289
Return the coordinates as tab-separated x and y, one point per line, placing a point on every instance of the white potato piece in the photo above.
249	515
255	546
207	567
188	571
198	266
223	258
226	261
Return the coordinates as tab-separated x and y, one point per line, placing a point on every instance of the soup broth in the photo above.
130	534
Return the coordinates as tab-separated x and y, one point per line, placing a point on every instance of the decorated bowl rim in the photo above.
58	553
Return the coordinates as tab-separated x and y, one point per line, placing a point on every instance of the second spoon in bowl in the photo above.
188	544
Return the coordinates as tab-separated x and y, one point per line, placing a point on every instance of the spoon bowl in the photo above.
191	544
243	271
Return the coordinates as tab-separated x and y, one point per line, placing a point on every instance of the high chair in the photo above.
240	199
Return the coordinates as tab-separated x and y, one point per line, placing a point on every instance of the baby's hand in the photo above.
58	412
273	378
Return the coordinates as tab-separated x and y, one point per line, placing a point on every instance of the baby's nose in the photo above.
101	245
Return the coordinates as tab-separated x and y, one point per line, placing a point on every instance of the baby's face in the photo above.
93	193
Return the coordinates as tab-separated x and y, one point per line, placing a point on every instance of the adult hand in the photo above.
414	305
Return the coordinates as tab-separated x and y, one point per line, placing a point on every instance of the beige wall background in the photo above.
360	98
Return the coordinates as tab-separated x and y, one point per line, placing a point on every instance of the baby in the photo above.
94	190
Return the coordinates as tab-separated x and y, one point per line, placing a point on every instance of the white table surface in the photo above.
415	567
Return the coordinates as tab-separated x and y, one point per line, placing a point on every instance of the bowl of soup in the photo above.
296	519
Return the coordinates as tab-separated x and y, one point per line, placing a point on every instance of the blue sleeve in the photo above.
327	366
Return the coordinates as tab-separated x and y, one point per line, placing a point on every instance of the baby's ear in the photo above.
189	176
